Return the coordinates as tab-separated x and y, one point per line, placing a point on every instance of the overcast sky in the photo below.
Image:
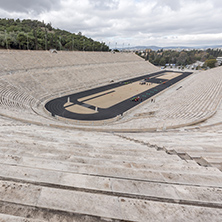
128	22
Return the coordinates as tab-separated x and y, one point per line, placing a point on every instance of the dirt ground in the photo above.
71	107
169	75
111	97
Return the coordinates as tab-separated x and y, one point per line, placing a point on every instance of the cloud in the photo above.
24	6
134	22
105	5
172	4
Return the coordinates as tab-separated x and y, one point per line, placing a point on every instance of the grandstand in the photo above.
160	161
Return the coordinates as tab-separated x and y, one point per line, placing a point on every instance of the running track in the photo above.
56	106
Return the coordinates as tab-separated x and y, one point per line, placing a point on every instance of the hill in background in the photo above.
36	35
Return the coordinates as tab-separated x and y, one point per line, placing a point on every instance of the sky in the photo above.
127	23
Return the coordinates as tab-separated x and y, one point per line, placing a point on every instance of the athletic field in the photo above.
114	99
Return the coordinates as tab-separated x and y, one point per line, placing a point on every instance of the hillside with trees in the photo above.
36	35
182	58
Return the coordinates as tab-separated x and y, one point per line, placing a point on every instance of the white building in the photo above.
219	60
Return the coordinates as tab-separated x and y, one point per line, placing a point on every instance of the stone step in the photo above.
109	148
217	165
213	159
95	153
108	142
158	175
33	214
205	154
86	165
100	184
10	218
134	163
199	148
107	206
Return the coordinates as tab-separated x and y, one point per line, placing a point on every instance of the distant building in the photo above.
52	50
219	60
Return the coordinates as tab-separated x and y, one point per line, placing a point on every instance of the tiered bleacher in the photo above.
37	76
50	174
60	173
193	100
29	79
25	60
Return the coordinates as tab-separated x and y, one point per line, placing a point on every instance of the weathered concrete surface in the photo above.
67	175
63	174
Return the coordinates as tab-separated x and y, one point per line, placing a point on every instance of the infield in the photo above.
114	99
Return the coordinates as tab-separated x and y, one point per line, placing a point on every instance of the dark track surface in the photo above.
56	106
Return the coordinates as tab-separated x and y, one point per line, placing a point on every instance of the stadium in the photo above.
102	136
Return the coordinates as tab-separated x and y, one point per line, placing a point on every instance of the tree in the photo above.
211	63
182	58
33	34
162	61
22	40
157	61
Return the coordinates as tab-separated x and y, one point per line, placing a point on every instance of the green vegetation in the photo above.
210	63
36	35
182	58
